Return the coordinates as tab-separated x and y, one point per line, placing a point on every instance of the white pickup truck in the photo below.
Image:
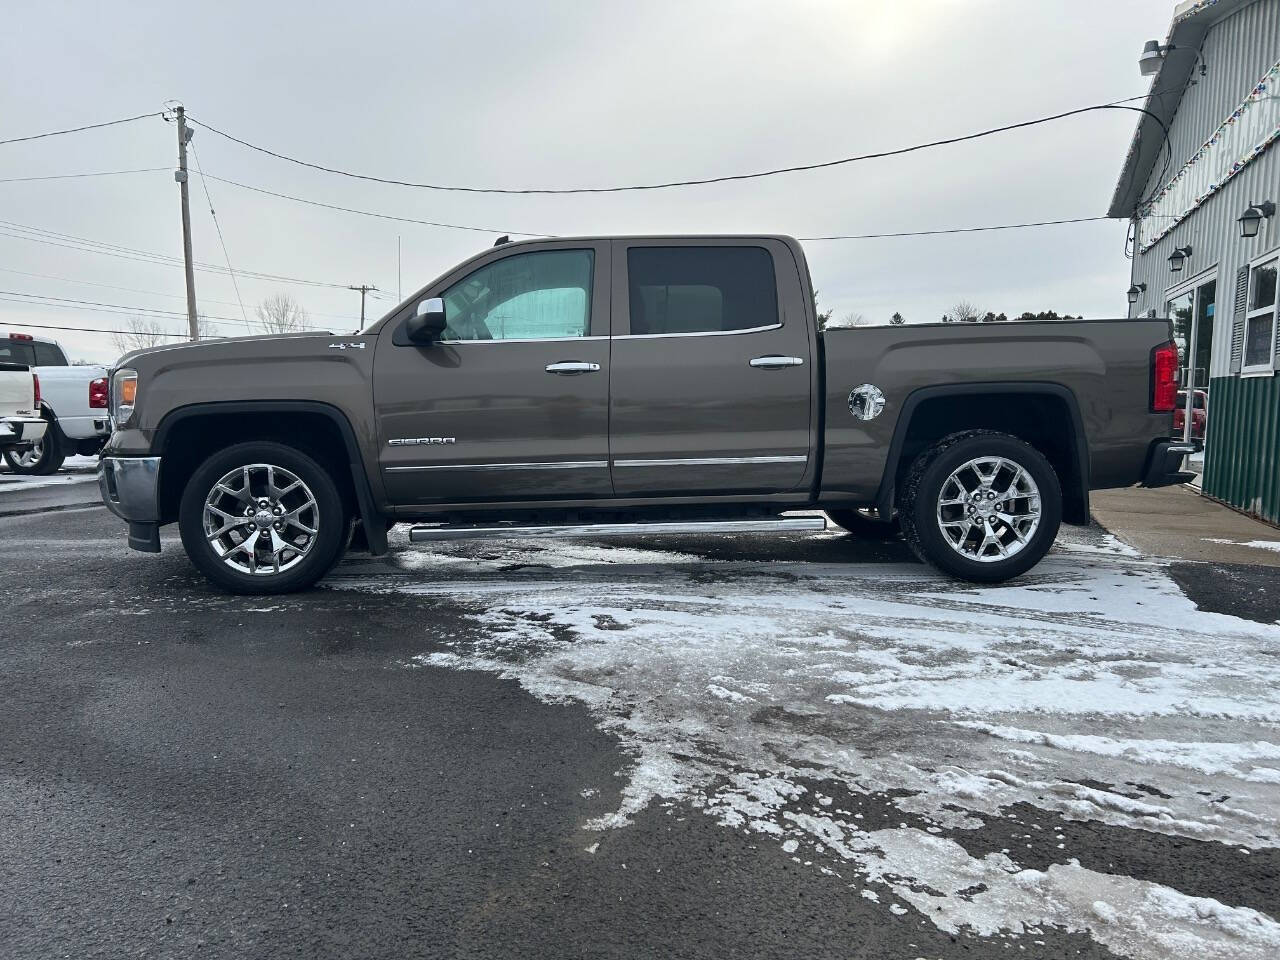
20	422
73	401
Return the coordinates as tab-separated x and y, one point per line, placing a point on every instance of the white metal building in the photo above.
1206	237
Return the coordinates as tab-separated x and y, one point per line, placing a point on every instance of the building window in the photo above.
1260	320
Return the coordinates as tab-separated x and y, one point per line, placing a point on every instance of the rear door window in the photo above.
49	355
17	351
675	290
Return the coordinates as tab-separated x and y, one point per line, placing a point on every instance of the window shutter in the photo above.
1237	319
1275	322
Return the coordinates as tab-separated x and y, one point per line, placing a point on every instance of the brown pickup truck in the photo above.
603	386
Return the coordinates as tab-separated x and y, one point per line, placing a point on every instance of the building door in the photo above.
1193	310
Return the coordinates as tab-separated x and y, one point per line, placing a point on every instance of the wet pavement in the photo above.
689	747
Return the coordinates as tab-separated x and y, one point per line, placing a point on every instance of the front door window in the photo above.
531	296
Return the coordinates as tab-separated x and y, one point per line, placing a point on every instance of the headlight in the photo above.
124	394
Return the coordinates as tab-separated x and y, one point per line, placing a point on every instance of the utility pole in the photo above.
364	289
184	137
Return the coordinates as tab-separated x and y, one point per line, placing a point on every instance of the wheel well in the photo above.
1044	420
190	441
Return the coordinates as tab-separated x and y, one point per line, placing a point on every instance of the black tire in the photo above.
49	453
866	524
331	521
918	509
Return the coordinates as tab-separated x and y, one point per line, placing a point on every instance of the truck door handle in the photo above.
571	368
775	362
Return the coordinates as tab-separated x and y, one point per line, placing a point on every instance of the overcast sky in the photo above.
570	94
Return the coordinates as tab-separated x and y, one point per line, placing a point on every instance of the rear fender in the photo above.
1075	488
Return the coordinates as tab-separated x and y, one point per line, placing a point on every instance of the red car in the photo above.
1198	414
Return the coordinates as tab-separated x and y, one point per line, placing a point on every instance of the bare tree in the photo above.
140	333
143	333
965	312
280	313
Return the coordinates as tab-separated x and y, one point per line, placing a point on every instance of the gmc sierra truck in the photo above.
625	385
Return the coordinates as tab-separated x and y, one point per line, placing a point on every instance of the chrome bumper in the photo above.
21	431
130	488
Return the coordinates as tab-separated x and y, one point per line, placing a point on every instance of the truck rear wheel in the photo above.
41	459
262	517
981	505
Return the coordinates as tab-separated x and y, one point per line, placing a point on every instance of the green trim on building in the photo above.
1242	451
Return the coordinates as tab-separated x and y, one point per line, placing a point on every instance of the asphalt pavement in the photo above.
628	750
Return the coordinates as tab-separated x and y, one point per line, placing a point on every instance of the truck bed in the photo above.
1098	369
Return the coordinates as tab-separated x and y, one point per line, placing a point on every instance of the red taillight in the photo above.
98	393
1164	378
21	336
36	387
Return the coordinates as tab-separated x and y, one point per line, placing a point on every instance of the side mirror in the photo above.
428	323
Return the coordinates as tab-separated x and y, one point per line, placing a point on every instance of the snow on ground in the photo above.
1256	544
1090	688
75	469
10	481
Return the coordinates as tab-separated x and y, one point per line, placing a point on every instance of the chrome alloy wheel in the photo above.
989	509
28	458
261	519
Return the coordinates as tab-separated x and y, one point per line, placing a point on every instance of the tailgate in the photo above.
17	390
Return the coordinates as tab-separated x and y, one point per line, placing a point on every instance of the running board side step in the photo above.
425	533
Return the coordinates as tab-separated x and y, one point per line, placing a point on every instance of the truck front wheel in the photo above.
262	517
981	505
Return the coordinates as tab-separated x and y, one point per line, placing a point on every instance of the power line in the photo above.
78	176
152	293
226	256
119	307
46	326
933	233
109	286
796	168
864	236
88	126
163	261
146	256
209	267
370	213
124	308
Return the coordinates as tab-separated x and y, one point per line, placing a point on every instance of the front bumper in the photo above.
1164	463
18	432
130	488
